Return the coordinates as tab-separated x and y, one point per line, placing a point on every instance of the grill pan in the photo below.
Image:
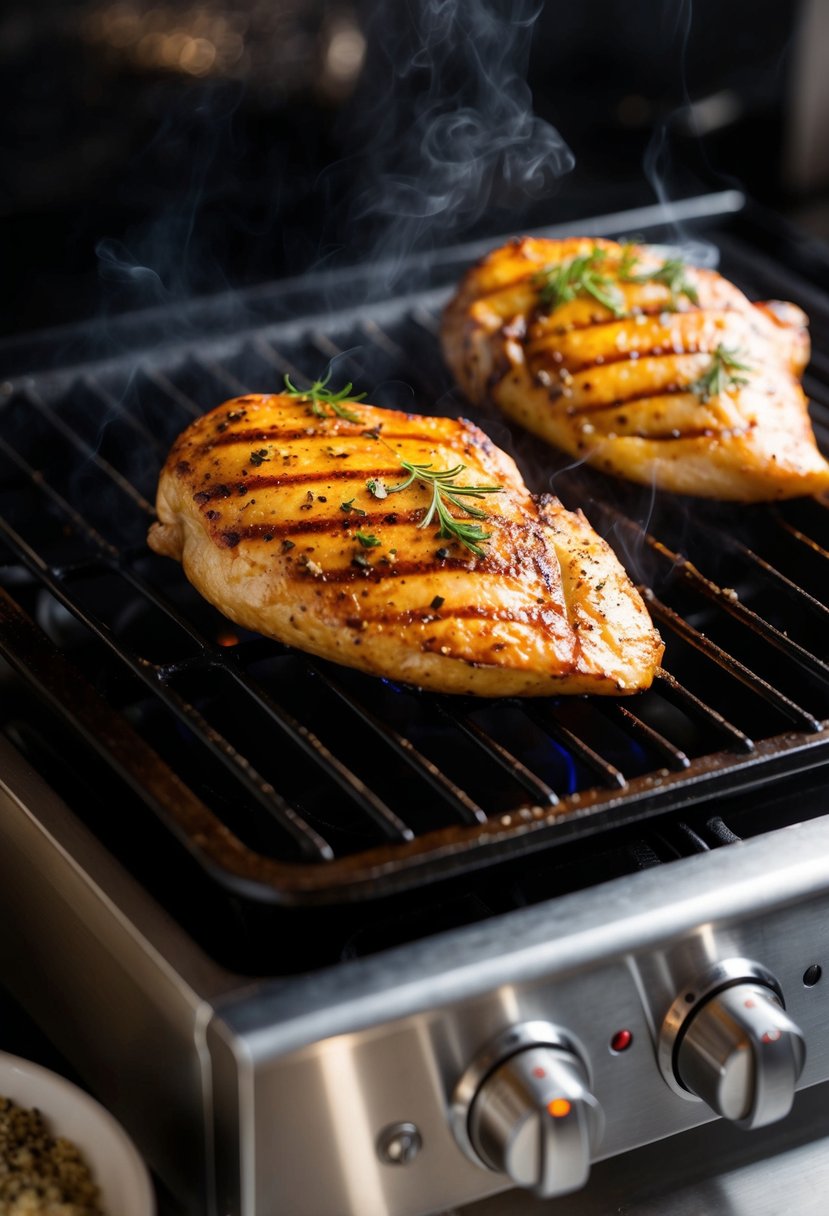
293	781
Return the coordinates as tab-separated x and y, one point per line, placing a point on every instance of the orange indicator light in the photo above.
559	1107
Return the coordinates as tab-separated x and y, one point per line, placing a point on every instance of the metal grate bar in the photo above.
75	439
46	488
543	716
426	320
374	806
220	373
380	338
803	597
392	825
457	799
273	356
331	351
630	723
746	616
168	389
803	539
153	678
94	386
537	788
728	603
694	706
795	713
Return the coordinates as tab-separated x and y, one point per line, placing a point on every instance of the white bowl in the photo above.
126	1189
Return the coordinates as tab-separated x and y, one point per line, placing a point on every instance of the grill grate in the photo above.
309	782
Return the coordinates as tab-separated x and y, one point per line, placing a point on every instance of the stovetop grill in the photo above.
294	781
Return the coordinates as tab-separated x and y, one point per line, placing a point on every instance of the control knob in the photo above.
734	1046
524	1109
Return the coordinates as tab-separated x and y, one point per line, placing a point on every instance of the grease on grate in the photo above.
40	1174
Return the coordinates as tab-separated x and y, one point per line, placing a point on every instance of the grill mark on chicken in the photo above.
378	571
329	525
288	479
339	432
345	522
624	356
677	435
589	407
600	322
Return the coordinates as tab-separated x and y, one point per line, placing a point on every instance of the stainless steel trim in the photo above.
353	1048
96	961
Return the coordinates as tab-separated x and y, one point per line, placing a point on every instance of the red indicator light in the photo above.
559	1107
539	1072
621	1040
750	1003
771	1036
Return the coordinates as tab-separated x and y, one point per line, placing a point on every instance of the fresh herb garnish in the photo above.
348	507
581	276
376	488
259	457
323	401
627	261
720	375
672	273
368	542
446	490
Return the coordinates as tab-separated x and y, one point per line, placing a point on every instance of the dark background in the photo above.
154	150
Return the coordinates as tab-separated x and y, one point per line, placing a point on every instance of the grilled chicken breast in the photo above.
644	367
265	501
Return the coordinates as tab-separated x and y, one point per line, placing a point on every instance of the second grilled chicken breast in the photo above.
301	518
642	366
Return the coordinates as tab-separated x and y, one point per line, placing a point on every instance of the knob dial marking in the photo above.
524	1109
736	1048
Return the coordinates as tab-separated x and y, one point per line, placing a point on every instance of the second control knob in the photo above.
737	1048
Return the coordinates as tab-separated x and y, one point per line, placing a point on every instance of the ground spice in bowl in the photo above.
40	1174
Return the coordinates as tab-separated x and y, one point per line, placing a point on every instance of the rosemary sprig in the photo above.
445	489
580	276
672	273
323	399
720	376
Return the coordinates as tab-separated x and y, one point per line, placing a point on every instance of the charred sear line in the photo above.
377	571
463	612
342	431
650	394
621	356
637	310
676	436
339	525
290	479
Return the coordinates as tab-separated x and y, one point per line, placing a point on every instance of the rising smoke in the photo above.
442	130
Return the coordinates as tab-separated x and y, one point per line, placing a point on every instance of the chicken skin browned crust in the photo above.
671	377
262	501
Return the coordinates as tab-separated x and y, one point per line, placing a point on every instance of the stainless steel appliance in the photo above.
329	946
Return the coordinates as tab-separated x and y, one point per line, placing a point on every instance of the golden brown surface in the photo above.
616	391
546	609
